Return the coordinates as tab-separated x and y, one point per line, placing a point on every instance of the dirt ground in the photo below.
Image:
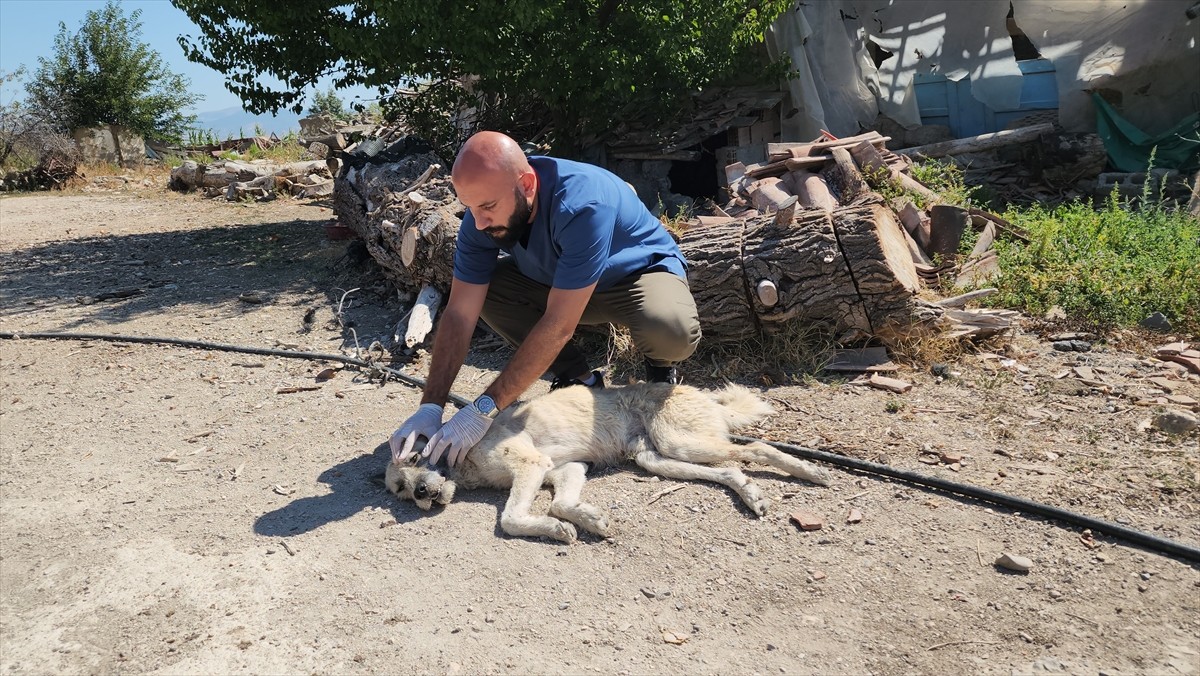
180	511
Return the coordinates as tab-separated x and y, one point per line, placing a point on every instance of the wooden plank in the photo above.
786	147
797	163
677	156
962	299
979	143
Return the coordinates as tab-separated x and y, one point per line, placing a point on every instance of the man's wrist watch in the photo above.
487	406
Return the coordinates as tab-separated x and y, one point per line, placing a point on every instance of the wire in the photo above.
979	493
224	347
1131	535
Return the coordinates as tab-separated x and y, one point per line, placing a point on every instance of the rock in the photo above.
1157	322
951	457
1013	562
253	297
1175	422
649	593
855	516
940	370
808	521
1071	345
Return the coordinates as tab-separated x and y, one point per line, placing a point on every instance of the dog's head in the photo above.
417	481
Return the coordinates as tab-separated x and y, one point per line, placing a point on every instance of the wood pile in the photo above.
805	237
259	179
819	243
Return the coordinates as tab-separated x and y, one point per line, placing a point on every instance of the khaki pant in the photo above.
657	307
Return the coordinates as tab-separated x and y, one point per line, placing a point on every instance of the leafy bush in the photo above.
1110	266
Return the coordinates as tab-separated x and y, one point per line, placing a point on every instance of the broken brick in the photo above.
808	521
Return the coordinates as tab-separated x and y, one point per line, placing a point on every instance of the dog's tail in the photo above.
741	406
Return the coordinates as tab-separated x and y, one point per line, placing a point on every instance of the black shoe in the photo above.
562	381
661	374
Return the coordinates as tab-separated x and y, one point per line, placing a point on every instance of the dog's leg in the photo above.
529	470
654	463
568	482
709	450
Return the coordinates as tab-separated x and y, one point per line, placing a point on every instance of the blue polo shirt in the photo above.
590	227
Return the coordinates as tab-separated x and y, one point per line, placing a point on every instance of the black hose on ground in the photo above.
1116	530
1131	535
224	347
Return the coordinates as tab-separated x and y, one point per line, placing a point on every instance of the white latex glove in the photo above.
457	436
424	423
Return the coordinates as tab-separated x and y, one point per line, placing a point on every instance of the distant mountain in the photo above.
237	123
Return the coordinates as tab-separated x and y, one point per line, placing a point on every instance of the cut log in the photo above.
408	245
261	187
303	168
843	177
420	320
980	143
316	187
717	276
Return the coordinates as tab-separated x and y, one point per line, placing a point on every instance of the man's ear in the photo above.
528	183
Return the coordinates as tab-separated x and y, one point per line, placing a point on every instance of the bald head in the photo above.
489	155
493	179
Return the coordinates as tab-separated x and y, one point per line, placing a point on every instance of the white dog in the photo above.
665	429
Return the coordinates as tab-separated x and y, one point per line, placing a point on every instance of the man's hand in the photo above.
424	423
457	436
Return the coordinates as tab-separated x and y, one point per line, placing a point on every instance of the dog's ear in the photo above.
418	447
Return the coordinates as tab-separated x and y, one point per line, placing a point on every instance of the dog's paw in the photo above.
599	526
821	476
754	499
564	532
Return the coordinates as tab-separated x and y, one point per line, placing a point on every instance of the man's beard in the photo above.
518	224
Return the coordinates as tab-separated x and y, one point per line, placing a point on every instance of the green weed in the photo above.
1111	266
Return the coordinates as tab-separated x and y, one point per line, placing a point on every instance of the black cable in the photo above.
1100	526
224	347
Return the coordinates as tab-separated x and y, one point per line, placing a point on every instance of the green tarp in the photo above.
1129	148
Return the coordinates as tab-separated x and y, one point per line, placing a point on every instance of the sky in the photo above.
28	27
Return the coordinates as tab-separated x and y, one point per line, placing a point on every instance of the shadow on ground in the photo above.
355	485
121	277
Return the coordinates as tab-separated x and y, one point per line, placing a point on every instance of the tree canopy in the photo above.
104	74
578	65
327	103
